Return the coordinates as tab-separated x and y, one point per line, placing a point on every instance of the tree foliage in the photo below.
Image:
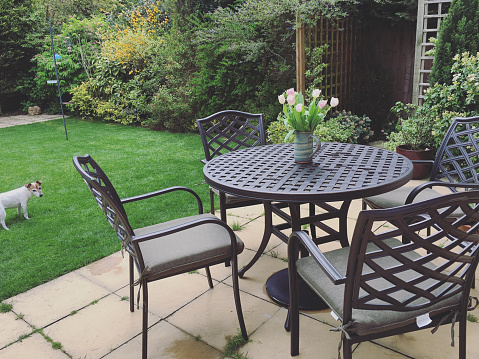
459	32
15	51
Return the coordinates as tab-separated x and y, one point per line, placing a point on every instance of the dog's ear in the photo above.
39	182
28	185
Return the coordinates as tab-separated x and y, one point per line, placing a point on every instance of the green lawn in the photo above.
67	229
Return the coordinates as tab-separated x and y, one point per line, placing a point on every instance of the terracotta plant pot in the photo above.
420	170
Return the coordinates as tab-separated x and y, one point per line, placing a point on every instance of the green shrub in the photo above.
130	68
171	110
82	100
78	46
360	126
458	33
16	51
341	127
425	126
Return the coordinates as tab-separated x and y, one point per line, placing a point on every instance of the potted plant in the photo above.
302	120
414	137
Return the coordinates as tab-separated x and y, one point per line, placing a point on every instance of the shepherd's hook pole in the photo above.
58	81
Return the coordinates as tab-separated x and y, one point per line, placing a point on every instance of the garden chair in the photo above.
456	162
380	286
164	249
227	131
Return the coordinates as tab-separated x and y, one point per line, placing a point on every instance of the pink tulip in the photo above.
299	107
334	101
291	100
322	103
290	92
281	99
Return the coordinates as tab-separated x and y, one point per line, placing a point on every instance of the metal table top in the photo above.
339	171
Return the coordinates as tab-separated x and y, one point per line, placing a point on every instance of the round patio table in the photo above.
339	172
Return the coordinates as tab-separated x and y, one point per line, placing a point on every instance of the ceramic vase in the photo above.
303	146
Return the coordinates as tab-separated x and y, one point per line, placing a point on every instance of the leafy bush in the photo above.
341	127
458	33
78	46
360	126
426	125
128	70
16	51
171	110
413	130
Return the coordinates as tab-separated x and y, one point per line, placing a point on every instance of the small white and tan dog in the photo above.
18	198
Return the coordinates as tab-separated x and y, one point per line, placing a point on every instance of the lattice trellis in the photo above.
341	41
429	16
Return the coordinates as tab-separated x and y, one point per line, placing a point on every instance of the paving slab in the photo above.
54	300
12	328
35	346
9	121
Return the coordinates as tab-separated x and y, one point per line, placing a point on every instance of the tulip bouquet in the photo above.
301	118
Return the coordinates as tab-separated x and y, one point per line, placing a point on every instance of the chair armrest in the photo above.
412	195
301	237
425	162
204	161
165	191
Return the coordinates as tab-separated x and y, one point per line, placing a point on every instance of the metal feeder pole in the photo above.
58	81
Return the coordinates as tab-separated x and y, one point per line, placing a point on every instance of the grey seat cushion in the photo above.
365	321
188	249
398	197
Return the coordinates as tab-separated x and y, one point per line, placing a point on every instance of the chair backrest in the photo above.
228	131
457	158
107	198
385	274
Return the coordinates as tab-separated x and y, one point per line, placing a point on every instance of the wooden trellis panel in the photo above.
429	16
340	38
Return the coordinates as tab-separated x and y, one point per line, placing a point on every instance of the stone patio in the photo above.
86	314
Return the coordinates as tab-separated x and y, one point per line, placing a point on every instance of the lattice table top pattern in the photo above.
339	171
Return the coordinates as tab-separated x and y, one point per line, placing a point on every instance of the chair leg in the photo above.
212	202
144	335
312	212
239	311
293	311
223	207
208	275
132	292
347	348
462	336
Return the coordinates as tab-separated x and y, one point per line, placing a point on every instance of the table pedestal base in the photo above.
277	287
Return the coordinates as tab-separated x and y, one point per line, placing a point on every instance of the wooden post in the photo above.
300	57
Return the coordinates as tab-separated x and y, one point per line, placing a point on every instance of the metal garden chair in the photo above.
380	286
227	131
456	162
164	249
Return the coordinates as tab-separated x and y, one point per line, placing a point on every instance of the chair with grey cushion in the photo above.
224	132
380	286
456	162
164	249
